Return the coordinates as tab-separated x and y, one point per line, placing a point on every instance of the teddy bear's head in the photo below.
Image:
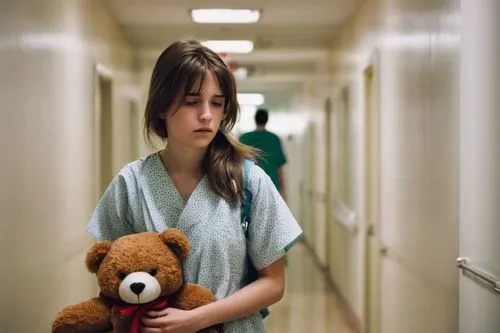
139	268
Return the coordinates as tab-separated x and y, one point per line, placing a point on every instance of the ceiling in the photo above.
289	40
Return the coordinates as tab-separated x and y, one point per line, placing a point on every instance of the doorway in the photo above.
134	130
103	129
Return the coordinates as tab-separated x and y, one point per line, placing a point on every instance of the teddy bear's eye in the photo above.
122	275
153	272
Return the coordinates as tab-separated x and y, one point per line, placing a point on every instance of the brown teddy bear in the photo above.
136	273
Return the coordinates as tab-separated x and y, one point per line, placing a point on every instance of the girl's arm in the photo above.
265	291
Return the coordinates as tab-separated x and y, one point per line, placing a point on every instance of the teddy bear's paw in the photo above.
81	327
89	316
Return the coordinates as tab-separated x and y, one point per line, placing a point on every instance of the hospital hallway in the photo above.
309	303
385	114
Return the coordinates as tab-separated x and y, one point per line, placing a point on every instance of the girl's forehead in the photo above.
207	85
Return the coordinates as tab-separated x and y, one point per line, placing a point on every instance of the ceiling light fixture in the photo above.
250	99
240	73
219	15
229	46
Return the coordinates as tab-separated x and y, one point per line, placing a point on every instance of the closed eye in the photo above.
190	102
217	104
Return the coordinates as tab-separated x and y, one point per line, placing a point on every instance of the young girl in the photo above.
195	184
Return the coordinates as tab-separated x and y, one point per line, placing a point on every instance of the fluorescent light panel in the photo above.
229	46
240	73
250	99
220	15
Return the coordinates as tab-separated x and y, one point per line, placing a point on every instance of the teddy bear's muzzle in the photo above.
139	288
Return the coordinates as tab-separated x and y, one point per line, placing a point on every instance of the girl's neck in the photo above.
183	160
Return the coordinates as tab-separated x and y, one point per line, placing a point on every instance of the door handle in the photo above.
370	231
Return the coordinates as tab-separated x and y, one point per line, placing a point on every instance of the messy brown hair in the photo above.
178	68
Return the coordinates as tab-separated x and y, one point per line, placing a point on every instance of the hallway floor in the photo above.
308	304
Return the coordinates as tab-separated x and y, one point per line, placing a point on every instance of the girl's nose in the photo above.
206	113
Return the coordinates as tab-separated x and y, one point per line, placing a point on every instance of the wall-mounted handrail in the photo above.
462	264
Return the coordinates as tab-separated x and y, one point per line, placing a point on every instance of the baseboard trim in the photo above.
348	313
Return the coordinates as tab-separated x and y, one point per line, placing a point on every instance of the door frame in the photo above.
372	251
105	74
132	96
328	110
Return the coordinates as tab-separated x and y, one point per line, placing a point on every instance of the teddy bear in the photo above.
136	273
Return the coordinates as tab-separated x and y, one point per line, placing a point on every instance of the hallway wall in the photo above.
48	52
414	48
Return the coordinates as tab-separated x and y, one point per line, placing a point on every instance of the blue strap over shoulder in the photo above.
245	221
247	197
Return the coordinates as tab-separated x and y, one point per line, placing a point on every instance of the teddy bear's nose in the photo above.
137	287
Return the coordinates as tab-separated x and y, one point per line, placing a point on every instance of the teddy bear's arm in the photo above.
91	316
192	296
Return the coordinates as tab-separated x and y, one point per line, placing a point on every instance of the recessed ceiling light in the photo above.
240	73
219	15
229	46
250	99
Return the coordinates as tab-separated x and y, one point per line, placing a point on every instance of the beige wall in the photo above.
47	58
479	164
414	48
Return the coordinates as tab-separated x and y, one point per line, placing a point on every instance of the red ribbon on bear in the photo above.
139	309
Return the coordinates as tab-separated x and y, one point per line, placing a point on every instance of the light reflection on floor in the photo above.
308	305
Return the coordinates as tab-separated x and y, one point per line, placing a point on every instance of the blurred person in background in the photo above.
271	158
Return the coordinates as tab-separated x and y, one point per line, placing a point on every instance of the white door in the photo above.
480	167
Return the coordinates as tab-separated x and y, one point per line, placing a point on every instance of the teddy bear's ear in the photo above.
96	255
177	242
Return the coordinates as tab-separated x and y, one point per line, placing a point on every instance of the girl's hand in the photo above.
169	320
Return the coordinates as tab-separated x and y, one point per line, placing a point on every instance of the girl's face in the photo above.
195	119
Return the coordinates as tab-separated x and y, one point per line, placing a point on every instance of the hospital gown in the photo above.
142	197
